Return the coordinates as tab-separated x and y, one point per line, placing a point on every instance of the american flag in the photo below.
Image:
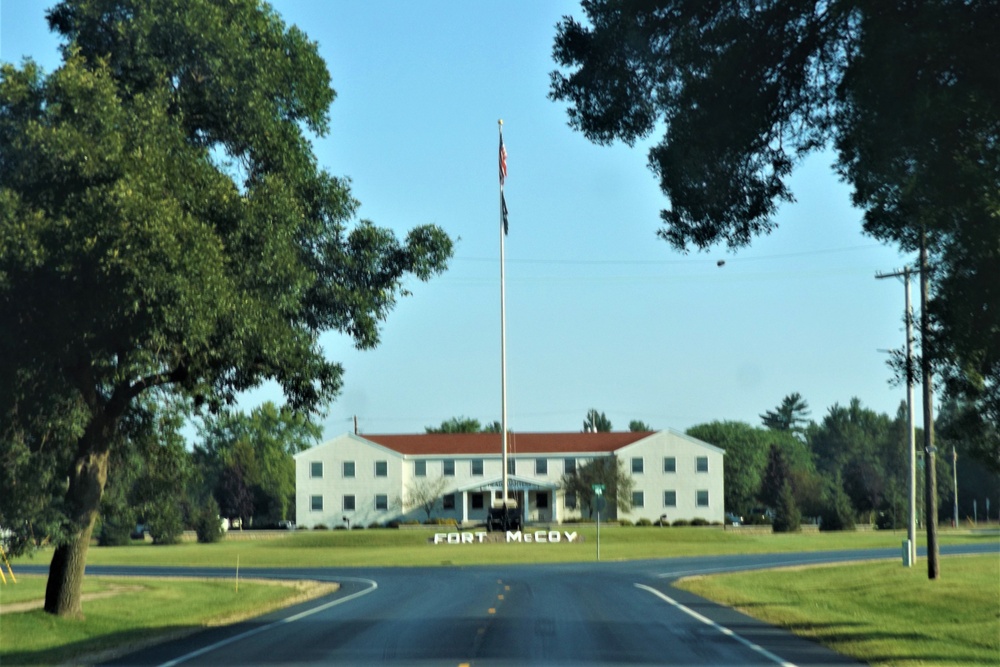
503	162
503	177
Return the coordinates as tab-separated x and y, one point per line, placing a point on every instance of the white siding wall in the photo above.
685	482
333	487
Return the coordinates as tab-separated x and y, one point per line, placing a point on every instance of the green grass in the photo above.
374	548
140	610
881	613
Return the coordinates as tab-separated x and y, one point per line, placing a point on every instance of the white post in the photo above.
598	534
911	529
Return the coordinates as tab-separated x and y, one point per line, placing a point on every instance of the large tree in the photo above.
252	454
164	226
907	93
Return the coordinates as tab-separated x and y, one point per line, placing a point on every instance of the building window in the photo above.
541	466
316	470
477	467
542	501
570	500
348	468
569	466
637	500
316	503
669	464
381	469
477	501
637	465
448	501
511	467
701	464
381	501
449	467
670	499
348	503
702	499
420	468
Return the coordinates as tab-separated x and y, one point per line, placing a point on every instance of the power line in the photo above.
663	262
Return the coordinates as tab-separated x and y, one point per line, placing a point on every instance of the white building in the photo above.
366	479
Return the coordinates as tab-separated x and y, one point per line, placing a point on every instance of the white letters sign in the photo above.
533	537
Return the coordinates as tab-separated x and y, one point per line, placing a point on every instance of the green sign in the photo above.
598	489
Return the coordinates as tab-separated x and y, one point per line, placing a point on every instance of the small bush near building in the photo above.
321	526
680	523
698	521
441	521
644	522
625	522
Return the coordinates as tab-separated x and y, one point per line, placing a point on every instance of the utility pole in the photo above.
930	467
911	524
954	478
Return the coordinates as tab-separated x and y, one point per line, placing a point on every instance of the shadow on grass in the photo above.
99	649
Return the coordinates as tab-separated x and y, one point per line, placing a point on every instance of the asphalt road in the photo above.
621	613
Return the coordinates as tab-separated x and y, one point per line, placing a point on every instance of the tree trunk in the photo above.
83	497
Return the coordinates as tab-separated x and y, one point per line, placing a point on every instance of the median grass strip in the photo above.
409	548
126	613
881	613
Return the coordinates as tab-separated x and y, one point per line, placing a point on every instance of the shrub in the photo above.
680	523
321	526
838	514
166	523
375	525
115	532
787	517
625	522
207	524
698	521
644	522
441	521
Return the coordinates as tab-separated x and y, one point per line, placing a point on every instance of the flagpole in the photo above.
503	326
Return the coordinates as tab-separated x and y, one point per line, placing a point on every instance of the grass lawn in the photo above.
134	612
881	613
375	548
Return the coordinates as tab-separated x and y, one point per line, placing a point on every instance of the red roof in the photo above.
517	443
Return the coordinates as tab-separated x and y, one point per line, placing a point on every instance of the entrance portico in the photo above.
537	498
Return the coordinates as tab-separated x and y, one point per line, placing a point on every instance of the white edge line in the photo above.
264	628
724	630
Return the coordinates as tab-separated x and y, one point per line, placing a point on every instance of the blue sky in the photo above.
600	312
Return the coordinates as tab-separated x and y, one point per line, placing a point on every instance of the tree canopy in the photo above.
792	415
164	227
596	422
606	470
907	94
457	425
246	461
